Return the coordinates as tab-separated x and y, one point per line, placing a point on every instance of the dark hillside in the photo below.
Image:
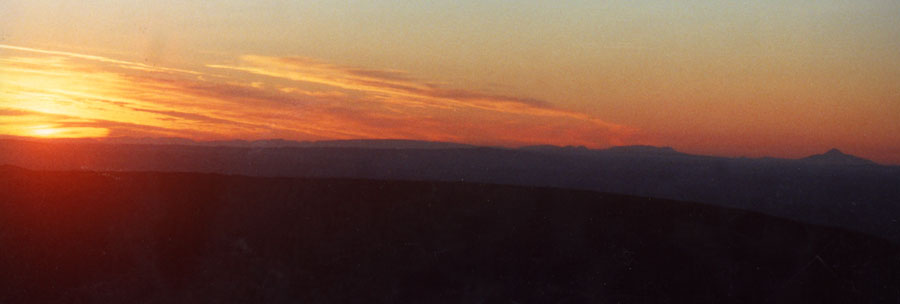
832	189
186	238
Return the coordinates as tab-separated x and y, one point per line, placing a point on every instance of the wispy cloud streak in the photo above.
399	86
122	63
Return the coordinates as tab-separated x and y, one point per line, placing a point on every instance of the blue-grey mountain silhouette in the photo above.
836	157
821	189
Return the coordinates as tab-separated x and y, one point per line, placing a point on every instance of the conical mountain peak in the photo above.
834	151
835	156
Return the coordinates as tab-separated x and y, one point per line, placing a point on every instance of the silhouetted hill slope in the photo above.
186	238
860	197
621	150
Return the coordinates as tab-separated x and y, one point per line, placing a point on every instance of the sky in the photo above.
762	78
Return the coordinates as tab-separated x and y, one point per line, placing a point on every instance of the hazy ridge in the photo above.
832	189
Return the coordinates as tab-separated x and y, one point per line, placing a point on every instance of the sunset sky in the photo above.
730	78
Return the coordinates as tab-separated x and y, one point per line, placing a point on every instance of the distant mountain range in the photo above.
832	157
832	189
629	150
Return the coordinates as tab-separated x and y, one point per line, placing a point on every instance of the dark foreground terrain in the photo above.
187	238
833	189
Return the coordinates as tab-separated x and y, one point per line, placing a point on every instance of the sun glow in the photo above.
45	132
73	132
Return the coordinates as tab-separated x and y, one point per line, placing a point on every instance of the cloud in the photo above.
14	112
121	63
292	98
30	123
391	83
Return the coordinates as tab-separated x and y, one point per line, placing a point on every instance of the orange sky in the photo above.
709	77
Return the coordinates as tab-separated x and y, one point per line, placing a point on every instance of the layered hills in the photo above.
832	189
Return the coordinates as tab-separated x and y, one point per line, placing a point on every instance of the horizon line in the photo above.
175	141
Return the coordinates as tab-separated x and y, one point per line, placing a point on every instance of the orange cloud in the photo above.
400	86
68	94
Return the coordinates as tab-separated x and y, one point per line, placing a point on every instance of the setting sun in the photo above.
45	132
53	132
